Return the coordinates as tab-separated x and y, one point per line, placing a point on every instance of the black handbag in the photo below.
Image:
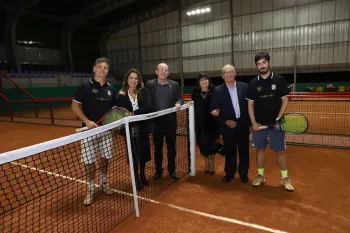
219	147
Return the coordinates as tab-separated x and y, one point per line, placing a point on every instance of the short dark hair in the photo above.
101	59
262	55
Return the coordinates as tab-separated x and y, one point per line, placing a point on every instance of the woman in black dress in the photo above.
205	123
135	98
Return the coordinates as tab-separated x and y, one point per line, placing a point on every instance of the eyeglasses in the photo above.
228	72
163	70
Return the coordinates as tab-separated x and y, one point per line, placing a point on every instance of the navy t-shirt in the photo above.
267	95
95	99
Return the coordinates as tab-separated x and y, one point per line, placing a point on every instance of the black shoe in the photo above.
211	173
226	179
206	171
144	181
244	179
157	176
173	175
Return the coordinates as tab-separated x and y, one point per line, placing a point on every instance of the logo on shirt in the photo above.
94	91
109	92
273	86
259	88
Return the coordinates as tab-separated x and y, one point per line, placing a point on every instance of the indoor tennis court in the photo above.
204	203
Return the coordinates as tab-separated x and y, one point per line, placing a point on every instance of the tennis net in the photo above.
44	187
328	118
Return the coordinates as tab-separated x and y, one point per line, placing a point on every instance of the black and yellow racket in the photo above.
112	115
293	123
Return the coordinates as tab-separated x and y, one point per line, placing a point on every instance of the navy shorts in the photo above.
277	139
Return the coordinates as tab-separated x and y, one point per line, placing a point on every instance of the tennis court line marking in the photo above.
225	219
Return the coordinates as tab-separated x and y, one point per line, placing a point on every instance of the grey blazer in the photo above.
175	95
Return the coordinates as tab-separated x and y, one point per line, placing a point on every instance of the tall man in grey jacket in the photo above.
165	94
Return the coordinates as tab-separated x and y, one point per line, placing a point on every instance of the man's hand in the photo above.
215	112
91	124
277	125
191	103
256	126
231	123
178	106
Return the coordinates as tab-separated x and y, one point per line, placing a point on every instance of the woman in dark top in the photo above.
205	124
135	98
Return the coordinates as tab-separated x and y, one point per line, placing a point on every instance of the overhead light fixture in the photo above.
198	11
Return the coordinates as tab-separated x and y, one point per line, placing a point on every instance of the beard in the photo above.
264	70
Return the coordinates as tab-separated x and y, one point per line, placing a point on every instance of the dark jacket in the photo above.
175	96
205	123
144	102
175	93
221	99
144	105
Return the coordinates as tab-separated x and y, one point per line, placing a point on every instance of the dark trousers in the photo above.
164	127
142	170
234	140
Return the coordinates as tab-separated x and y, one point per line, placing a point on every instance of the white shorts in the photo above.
89	146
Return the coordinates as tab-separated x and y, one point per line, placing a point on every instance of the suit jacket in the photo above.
175	96
143	99
221	99
175	93
144	104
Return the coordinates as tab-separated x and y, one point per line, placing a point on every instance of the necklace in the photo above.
204	94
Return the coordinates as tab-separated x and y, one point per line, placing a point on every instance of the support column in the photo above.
11	42
66	52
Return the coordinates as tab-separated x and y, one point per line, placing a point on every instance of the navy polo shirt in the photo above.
95	99
267	95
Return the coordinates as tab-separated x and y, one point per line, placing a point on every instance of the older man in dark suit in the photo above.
165	94
228	103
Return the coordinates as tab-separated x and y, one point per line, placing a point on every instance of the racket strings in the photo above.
294	123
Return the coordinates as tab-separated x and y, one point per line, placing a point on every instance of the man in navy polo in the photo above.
267	102
91	101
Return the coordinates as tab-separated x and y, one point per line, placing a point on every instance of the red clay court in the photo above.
204	204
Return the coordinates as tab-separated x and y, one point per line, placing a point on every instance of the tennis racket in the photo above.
294	123
112	115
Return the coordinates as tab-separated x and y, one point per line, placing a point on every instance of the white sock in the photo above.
91	186
103	178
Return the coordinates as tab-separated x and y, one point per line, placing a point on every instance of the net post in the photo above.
51	114
131	164
10	110
192	141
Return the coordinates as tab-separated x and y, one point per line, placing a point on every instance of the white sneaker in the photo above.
89	197
285	182
258	181
107	189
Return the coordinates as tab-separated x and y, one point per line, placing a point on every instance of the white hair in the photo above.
161	64
228	65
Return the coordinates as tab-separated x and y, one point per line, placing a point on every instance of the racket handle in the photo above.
81	129
263	127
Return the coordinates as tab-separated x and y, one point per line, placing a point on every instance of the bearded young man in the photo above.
267	102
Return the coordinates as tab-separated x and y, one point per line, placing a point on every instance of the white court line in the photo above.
230	220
